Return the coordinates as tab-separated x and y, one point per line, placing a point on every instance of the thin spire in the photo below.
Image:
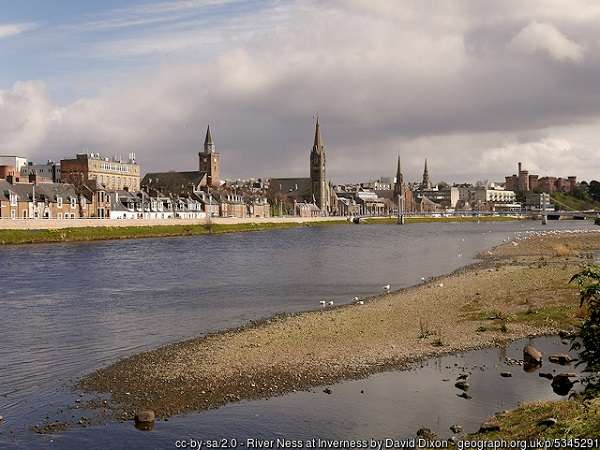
399	186
209	145
399	170
426	183
318	140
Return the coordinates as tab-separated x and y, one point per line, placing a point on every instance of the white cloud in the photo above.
546	38
384	77
24	113
13	29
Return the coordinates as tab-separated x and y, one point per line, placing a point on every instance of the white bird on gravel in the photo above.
330	303
355	299
441	285
322	302
361	302
387	288
422	278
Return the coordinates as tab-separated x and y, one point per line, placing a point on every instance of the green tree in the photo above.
594	190
587	340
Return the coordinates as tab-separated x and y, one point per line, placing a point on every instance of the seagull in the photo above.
330	303
361	302
387	288
355	299
422	278
441	285
322	302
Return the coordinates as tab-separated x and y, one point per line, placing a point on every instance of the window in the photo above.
73	202
59	202
13	199
13	214
24	214
59	216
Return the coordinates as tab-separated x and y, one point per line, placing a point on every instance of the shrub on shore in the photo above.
587	340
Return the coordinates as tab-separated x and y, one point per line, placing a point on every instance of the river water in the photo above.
67	309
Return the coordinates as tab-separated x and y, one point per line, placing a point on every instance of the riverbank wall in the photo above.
56	224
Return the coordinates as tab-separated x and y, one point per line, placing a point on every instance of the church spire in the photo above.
399	186
399	176
318	174
318	144
209	145
426	183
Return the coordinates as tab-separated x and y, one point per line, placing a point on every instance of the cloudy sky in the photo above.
474	86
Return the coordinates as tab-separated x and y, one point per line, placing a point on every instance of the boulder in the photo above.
560	358
328	391
532	356
462	385
426	433
489	426
548	376
456	429
529	368
144	419
464	395
562	384
548	422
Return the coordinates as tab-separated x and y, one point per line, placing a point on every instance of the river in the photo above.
67	309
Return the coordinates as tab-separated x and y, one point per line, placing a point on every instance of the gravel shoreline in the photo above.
519	289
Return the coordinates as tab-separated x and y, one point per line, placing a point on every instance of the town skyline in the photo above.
444	83
415	179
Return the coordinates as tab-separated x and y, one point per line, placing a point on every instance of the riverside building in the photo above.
112	173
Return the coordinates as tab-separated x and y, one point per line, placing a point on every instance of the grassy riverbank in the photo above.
131	232
520	290
95	233
574	419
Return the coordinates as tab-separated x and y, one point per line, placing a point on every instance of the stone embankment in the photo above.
54	224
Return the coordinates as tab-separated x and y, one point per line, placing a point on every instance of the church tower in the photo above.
426	183
210	161
399	186
318	178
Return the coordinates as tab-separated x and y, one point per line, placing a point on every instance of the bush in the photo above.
587	340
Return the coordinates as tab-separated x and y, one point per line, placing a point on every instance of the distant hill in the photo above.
571	203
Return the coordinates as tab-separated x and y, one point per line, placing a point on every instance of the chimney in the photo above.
519	168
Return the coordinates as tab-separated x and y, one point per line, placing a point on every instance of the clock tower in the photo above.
210	161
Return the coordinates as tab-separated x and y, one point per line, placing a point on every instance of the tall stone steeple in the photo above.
209	145
318	176
210	161
426	183
399	186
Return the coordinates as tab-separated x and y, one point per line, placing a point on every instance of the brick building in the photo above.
522	181
112	173
43	201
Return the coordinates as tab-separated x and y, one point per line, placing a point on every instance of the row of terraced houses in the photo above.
95	186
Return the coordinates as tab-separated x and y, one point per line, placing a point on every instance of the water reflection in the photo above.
387	405
69	309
